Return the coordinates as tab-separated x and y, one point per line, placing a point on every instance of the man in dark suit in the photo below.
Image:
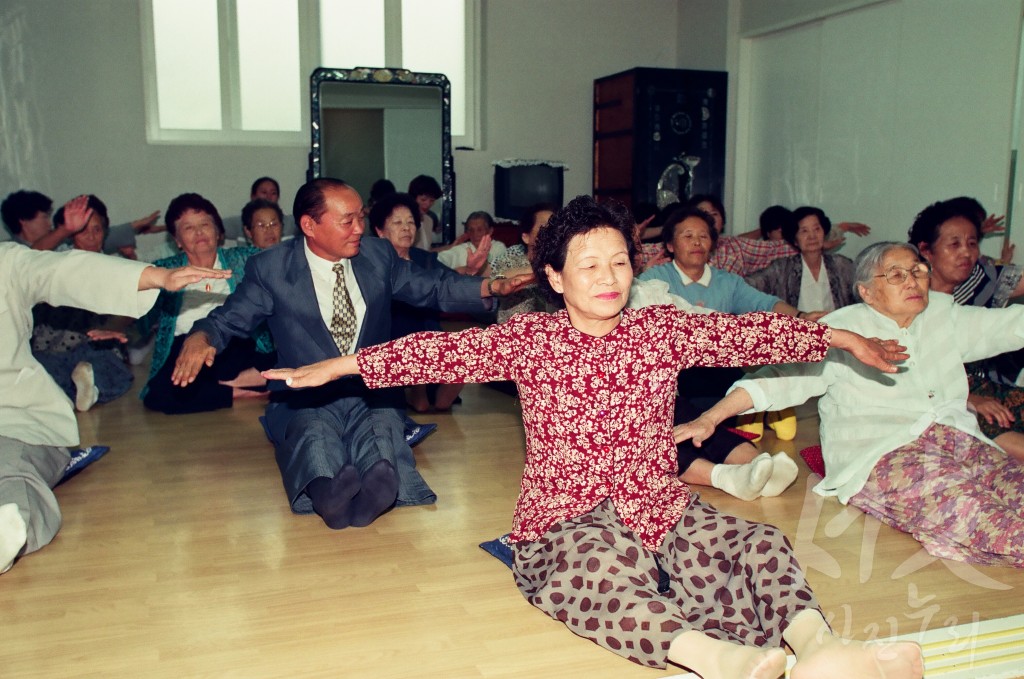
340	447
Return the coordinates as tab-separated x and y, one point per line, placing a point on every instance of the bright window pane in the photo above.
433	41
187	64
268	57
352	33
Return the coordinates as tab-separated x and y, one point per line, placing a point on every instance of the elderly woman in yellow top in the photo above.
904	447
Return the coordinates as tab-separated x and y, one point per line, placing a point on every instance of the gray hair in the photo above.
480	214
867	262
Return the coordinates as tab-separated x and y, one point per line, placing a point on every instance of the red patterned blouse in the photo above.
597	410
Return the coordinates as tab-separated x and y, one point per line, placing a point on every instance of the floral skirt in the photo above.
958	496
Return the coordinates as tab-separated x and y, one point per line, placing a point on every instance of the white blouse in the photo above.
866	413
815	295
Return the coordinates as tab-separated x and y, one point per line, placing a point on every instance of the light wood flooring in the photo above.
179	557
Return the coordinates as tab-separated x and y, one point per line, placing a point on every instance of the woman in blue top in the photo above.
726	461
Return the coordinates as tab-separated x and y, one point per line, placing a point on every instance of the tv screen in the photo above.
519	187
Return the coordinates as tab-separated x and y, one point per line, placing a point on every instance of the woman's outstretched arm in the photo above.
315	374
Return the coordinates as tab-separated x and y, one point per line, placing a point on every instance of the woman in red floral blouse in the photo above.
606	538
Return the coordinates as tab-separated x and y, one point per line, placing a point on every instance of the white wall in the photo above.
540	60
72	118
875	113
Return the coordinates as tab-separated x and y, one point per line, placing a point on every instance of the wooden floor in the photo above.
179	557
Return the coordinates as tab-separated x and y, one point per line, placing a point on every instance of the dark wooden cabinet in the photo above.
646	119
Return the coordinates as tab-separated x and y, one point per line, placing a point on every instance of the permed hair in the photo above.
23	206
789	230
260	204
383	208
929	221
190	201
582	215
668	231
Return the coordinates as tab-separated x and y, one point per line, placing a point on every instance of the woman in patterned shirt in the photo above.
606	538
948	234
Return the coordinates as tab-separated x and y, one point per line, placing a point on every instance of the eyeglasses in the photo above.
267	225
896	275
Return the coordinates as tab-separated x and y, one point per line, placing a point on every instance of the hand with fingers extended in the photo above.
196	352
173	280
476	260
878	353
502	286
991	409
105	335
76	214
148	223
993	224
698	431
315	374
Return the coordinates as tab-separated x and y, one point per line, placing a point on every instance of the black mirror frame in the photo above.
391	76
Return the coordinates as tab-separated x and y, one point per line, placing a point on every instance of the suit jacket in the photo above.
782	279
278	288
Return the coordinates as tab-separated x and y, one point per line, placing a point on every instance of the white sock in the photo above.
784	473
86	392
744	481
13	535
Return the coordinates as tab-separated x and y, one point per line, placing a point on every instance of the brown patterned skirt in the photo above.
732	579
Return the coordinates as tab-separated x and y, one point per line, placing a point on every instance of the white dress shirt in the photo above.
323	285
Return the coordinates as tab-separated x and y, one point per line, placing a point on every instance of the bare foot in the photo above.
416	398
240	394
446	395
842	658
247	378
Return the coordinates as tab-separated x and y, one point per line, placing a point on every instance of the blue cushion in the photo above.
82	458
500	549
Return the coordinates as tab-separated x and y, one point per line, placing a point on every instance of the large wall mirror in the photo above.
374	123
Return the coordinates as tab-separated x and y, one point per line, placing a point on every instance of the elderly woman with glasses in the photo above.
903	447
262	222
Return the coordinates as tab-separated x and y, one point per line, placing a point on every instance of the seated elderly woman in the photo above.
473	252
262	221
395	217
606	538
813	279
81	350
947	233
516	260
904	448
197	229
689	236
746	253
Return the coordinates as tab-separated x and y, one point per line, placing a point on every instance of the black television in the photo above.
518	186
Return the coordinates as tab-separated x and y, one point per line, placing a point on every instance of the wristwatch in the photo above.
490	284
